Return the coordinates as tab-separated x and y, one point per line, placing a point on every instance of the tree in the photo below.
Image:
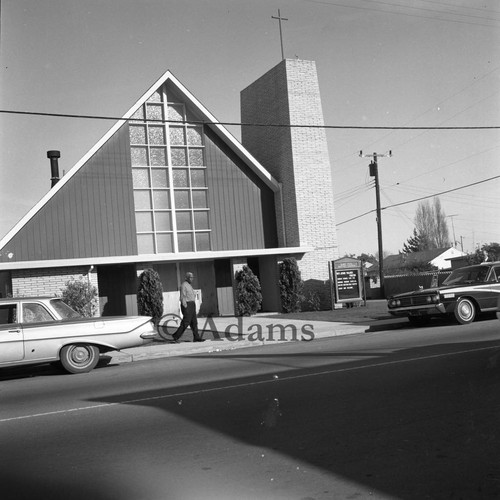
81	296
367	257
488	252
415	243
248	292
430	224
291	285
150	295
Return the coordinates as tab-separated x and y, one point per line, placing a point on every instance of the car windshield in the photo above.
472	274
64	310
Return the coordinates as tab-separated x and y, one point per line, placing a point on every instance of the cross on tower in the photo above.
279	18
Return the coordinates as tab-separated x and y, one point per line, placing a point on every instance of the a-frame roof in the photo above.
207	118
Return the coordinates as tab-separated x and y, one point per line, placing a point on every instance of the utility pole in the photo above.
453	227
374	173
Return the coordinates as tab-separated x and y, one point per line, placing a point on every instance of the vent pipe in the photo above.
54	166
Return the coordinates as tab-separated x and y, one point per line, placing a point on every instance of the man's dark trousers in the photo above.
188	319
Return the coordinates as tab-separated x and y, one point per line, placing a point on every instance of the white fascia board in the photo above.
171	257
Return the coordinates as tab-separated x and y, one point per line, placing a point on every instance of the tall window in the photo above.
169	178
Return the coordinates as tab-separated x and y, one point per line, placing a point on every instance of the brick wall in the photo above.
49	281
297	157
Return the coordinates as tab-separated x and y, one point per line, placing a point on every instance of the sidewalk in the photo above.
228	333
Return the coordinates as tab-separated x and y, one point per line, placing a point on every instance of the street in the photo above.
408	413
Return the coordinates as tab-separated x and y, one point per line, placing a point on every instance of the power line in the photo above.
406	14
240	124
419	199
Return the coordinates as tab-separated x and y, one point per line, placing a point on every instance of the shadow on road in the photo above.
415	423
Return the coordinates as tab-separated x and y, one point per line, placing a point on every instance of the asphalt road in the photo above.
407	413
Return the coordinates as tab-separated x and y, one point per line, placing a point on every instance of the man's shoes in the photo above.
199	340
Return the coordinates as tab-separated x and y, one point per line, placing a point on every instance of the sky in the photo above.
381	63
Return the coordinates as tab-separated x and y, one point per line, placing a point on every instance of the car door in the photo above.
40	332
494	282
11	333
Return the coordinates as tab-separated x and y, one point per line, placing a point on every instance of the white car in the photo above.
45	330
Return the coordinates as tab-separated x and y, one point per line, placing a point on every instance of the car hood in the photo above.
425	291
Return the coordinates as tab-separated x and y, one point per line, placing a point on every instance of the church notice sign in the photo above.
348	286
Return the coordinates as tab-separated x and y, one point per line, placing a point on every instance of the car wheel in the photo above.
465	311
79	358
419	320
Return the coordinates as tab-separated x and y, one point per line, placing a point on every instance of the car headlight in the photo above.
435	299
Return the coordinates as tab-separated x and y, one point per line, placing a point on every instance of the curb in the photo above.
159	348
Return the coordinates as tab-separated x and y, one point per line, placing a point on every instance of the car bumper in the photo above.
425	310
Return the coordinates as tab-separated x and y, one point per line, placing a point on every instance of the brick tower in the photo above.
297	157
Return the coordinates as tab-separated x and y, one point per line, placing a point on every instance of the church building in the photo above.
170	188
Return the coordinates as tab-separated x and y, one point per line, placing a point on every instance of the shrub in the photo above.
312	301
81	295
291	285
150	295
248	292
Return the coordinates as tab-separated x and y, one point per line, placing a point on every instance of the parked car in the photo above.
465	293
45	329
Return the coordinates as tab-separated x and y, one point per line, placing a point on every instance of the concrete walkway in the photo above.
227	333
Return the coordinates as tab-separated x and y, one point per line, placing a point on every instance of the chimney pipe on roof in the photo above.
54	166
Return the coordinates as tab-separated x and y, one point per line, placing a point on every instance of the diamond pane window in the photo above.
154	111
185	242
159	177
177	135
158	157
200	199
198	178
196	157
194	136
137	134
145	243
139	156
179	157
181	199
163	221
156	135
144	221
140	177
202	242
164	242
184	222
180	176
201	220
142	200
156	97
176	112
161	200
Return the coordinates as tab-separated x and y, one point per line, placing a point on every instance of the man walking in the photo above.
188	308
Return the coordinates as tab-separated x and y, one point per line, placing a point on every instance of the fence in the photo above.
410	282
